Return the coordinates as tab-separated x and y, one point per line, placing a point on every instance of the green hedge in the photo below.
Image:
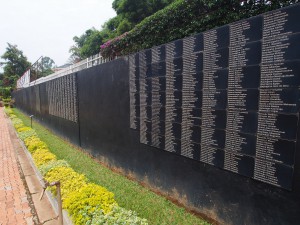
184	18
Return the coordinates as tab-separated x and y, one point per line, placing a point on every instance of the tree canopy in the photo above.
42	68
85	44
129	13
135	11
14	65
162	21
48	65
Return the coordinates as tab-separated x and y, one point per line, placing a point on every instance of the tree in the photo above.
41	68
88	44
113	23
129	13
75	50
124	26
14	65
91	44
48	65
136	10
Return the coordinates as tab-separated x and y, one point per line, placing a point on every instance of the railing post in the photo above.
60	214
59	217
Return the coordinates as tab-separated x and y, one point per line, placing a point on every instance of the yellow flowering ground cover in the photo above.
42	156
87	203
69	179
91	196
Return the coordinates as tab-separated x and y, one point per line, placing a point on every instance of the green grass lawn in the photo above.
129	194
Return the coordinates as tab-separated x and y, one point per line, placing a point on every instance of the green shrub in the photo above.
16	121
183	18
5	92
52	164
26	134
12	116
8	102
90	196
117	215
8	111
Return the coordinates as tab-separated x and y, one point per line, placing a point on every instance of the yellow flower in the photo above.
42	156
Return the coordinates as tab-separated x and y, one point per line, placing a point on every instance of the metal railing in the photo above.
84	64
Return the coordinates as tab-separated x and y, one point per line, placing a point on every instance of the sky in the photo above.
47	27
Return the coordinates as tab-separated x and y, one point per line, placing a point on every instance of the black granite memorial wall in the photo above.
228	97
55	104
213	118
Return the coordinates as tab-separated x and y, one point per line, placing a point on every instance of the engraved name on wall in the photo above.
228	97
62	97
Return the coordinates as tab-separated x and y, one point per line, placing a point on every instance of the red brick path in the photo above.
14	207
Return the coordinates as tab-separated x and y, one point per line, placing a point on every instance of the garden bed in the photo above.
103	195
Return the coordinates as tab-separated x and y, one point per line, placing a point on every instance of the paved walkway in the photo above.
14	205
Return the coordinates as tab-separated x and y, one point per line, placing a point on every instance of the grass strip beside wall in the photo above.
129	194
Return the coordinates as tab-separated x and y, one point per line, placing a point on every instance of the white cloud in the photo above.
46	27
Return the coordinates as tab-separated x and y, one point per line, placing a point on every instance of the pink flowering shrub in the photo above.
110	48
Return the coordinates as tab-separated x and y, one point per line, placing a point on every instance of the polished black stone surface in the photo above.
224	87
